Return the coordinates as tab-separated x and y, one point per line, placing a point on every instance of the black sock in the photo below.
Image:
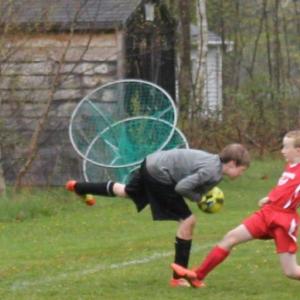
182	253
101	188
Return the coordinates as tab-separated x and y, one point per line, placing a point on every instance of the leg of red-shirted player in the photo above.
238	235
214	258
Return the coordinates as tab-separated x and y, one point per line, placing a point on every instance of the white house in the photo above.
212	100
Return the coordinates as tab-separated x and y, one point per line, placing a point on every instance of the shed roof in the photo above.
213	38
85	14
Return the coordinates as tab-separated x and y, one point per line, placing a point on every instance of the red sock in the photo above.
214	257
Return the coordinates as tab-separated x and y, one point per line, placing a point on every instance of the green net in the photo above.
94	172
120	123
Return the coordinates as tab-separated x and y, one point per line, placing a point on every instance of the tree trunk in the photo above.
268	43
199	83
2	180
185	73
277	48
57	80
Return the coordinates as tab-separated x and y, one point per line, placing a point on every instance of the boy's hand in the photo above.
263	201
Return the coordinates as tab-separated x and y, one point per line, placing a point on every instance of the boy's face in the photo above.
234	171
289	151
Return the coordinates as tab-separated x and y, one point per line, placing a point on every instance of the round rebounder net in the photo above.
93	172
120	123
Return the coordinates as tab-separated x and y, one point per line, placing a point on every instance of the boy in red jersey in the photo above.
277	219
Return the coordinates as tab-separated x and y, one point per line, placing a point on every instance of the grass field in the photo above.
54	247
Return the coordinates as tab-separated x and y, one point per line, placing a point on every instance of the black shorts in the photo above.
164	202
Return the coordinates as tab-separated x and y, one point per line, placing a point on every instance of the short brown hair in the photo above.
236	152
295	135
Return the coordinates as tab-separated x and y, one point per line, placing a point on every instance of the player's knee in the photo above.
192	220
230	239
193	224
186	227
119	190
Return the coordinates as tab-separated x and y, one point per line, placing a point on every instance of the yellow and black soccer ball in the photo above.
213	201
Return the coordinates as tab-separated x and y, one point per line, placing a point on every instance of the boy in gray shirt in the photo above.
165	179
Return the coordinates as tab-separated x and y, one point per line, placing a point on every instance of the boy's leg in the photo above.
218	254
183	242
289	265
108	188
87	190
182	253
286	247
214	258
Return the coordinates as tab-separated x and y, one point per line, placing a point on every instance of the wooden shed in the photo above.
53	53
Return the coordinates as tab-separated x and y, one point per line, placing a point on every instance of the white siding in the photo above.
213	88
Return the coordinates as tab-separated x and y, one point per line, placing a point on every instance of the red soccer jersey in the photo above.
286	194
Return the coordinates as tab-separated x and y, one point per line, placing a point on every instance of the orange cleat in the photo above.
189	275
89	200
179	282
70	185
183	272
196	283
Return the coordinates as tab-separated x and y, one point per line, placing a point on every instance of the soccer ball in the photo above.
212	201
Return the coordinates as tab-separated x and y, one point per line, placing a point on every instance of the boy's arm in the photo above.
193	186
263	201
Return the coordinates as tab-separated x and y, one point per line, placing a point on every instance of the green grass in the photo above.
54	247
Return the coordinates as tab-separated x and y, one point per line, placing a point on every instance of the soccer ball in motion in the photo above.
212	201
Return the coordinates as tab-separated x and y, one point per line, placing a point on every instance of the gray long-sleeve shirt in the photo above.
193	172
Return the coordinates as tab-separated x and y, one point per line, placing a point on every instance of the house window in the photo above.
149	12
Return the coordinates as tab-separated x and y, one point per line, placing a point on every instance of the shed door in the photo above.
150	57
